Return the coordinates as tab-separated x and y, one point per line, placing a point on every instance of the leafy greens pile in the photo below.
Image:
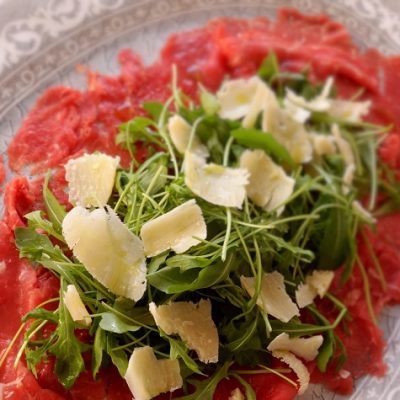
316	231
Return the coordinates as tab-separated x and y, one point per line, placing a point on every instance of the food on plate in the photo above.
220	224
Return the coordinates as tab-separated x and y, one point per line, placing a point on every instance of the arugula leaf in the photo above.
326	351
99	347
118	356
54	209
269	67
256	139
112	323
180	350
204	389
41	313
172	280
67	349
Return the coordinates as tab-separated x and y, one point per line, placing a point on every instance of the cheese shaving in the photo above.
108	250
297	366
91	179
349	111
273	298
75	306
218	185
306	348
179	230
194	325
269	186
148	377
181	135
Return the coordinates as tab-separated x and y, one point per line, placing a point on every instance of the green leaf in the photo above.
41	313
186	262
154	108
33	245
54	209
326	351
112	323
204	389
269	68
178	349
67	349
36	221
172	280
256	139
249	392
334	246
208	101
99	346
118	356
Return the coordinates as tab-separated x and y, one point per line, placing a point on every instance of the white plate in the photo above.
41	41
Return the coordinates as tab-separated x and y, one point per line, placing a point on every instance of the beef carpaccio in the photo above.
66	122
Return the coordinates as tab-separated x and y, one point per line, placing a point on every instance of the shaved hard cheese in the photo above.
349	111
288	132
236	394
319	103
107	249
179	230
194	325
264	100
180	132
306	348
315	284
218	185
269	186
343	145
323	144
91	179
75	306
236	97
362	212
297	366
348	178
273	298
148	377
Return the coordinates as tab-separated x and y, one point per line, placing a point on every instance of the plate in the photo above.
41	42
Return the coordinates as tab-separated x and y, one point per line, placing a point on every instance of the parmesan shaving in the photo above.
178	229
218	185
348	178
108	250
236	394
297	366
269	186
343	145
349	111
236	97
181	132
194	325
272	298
318	283
306	348
148	377
323	144
91	179
363	213
75	306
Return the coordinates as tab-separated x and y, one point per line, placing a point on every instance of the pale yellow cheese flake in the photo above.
269	186
75	306
107	249
236	394
178	229
214	183
194	325
317	283
236	97
306	348
148	377
343	145
319	103
323	144
349	111
273	298
297	366
91	179
180	132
